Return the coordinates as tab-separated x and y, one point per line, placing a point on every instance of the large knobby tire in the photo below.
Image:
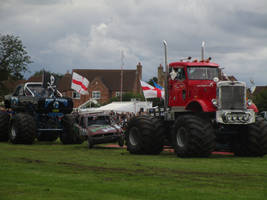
121	141
144	135
70	135
90	142
193	136
47	136
4	126
23	129
252	139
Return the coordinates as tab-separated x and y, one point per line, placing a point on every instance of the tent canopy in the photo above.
133	107
128	106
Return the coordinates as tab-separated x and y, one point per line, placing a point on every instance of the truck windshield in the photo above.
37	90
202	73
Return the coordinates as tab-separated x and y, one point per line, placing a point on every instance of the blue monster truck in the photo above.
37	110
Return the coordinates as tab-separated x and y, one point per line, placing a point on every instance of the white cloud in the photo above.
66	34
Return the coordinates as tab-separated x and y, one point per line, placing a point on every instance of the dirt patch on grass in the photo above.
95	168
155	171
150	171
28	160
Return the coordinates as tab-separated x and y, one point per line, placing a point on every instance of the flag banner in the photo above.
79	83
150	91
49	80
156	85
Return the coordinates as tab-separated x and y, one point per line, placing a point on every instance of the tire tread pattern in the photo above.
69	136
4	126
150	135
252	139
25	129
200	139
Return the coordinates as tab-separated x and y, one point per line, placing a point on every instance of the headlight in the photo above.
246	117
214	102
234	117
228	117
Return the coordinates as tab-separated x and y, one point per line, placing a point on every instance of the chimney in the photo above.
160	76
139	71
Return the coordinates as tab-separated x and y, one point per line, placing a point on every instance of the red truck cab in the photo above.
192	85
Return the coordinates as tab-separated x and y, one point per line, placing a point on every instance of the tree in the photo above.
155	79
13	57
56	75
128	96
260	99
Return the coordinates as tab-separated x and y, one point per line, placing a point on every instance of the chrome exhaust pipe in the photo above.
166	99
202	50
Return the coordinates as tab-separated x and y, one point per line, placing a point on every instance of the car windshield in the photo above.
202	73
101	120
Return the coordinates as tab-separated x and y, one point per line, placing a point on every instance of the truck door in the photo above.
177	87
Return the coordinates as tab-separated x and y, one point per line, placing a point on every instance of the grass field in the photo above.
56	171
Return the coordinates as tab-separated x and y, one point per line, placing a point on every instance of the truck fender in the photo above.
200	105
253	107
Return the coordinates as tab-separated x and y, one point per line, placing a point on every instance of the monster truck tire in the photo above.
4	126
90	143
69	135
47	137
23	129
252	139
193	136
121	141
144	135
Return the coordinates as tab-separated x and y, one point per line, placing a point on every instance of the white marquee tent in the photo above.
128	106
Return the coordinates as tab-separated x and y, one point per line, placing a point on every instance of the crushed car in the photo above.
98	128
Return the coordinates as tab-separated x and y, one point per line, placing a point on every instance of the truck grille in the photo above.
232	97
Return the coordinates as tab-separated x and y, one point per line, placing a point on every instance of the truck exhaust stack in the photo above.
166	77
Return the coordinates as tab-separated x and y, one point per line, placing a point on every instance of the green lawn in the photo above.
56	171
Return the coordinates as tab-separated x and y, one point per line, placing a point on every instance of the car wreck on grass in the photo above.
98	128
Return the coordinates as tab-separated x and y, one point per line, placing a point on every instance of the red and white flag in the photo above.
150	91
79	83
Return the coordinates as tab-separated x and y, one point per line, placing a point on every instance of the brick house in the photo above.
104	84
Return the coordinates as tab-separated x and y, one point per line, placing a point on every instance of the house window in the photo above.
118	94
96	94
76	95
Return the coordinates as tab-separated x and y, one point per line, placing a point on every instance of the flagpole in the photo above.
122	63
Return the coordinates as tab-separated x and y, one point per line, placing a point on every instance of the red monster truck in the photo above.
201	114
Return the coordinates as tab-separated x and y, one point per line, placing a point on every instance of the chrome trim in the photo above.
221	113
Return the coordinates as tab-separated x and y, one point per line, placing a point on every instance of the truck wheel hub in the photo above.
132	136
180	137
13	132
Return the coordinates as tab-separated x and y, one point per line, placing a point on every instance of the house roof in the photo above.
11	84
64	83
111	78
38	78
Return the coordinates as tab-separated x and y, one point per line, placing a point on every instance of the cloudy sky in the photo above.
61	35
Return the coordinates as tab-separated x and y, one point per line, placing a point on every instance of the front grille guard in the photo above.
232	109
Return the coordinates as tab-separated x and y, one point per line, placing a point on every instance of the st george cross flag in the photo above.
79	83
156	85
150	91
